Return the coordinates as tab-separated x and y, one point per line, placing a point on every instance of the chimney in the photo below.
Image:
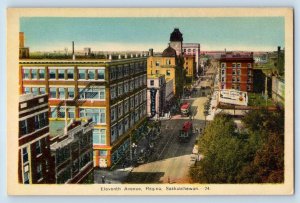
73	51
151	52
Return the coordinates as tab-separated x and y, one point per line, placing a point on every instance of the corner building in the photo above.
111	92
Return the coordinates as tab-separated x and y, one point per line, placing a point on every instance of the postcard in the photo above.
144	101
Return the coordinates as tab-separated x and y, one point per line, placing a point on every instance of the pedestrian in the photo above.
103	179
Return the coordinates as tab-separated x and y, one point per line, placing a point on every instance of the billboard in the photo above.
233	96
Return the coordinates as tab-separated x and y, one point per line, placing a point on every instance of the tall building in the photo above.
176	40
190	68
111	92
168	64
193	49
236	71
72	151
156	94
35	162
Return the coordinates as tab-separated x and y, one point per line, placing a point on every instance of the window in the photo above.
120	89
92	93
156	71
238	79
91	74
41	73
126	124
113	114
34	74
238	65
120	110
233	79
27	90
52	73
168	73
52	92
61	93
71	112
99	136
39	171
42	90
81	74
61	112
168	62
38	147
101	74
223	71
98	115
132	102
53	112
114	133
151	82
113	92
23	127
70	73
126	106
233	65
223	65
249	72
233	72
102	152
248	87
61	74
249	65
40	120
120	128
71	93
126	89
26	73
157	63
25	154
238	71
26	174
35	91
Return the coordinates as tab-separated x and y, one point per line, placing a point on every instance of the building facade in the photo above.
190	68
111	92
176	40
169	65
193	49
236	72
34	163
156	94
72	151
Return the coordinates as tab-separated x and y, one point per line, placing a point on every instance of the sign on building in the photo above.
232	96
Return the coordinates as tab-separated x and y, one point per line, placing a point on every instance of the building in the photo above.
156	94
236	71
110	91
193	49
72	151
278	90
35	163
168	64
176	40
190	68
23	51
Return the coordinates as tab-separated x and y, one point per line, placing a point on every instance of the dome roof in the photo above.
176	36
169	52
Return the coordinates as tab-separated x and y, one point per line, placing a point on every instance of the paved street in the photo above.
171	160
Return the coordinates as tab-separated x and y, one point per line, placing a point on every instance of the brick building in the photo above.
35	162
111	92
236	71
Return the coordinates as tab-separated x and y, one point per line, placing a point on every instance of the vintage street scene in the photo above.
151	101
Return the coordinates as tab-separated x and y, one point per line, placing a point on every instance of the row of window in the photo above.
97	114
34	123
236	72
237	79
64	74
157	72
121	71
123	125
129	104
235	65
127	86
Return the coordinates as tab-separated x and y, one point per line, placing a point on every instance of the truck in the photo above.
185	109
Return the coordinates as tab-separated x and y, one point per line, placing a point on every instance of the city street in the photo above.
171	160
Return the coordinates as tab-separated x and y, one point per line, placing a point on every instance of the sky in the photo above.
141	34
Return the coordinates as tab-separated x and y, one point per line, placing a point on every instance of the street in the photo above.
171	160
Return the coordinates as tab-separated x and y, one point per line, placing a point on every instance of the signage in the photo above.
153	101
232	96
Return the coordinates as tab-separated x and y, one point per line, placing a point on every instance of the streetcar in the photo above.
186	132
185	109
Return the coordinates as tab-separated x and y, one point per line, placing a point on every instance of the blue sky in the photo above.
121	34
